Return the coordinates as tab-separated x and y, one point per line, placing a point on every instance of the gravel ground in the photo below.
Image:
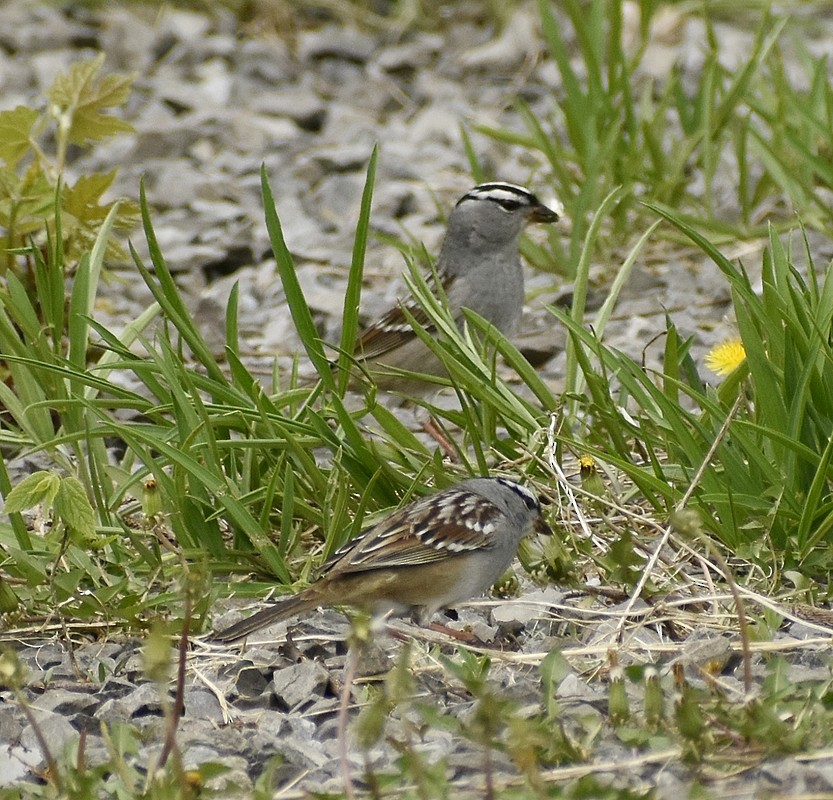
212	103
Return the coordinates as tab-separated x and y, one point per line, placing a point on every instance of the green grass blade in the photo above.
352	297
298	307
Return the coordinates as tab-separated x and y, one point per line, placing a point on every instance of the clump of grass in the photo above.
764	490
614	127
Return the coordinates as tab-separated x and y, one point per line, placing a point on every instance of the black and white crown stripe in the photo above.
511	197
530	500
507	195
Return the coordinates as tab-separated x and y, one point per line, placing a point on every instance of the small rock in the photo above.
298	685
115	688
336	42
98	660
372	660
64	702
202	704
196	755
234	781
11	723
251	682
143	701
605	633
16	763
54	728
127	39
410	55
301	105
528	607
301	744
703	647
573	688
337	200
519	41
339	158
185	26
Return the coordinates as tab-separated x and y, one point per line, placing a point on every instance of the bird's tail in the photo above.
276	612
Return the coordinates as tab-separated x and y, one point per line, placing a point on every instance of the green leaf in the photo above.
15	131
30	566
77	98
9	601
352	297
73	507
28	196
83	200
298	307
39	487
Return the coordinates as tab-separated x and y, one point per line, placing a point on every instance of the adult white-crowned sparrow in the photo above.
440	550
479	267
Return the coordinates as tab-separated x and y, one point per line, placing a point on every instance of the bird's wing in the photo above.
394	329
429	531
390	332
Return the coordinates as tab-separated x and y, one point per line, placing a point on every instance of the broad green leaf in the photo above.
78	97
15	132
83	200
73	507
39	487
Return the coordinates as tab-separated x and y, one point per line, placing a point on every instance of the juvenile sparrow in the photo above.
440	550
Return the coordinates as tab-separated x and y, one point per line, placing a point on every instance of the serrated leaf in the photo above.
73	508
31	194
83	215
82	199
77	98
39	487
15	130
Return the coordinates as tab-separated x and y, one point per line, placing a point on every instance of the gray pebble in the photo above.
54	728
299	685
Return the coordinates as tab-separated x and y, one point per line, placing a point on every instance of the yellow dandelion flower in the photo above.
591	481
726	357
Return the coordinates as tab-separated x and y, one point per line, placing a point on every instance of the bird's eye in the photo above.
508	205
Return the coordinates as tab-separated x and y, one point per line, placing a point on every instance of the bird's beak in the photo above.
541	527
542	213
